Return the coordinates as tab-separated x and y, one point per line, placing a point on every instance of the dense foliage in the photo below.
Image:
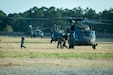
22	25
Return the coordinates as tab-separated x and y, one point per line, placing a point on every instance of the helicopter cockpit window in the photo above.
89	33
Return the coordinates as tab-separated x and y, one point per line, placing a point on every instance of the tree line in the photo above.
22	25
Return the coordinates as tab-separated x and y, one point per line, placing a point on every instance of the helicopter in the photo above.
35	32
81	34
55	32
78	34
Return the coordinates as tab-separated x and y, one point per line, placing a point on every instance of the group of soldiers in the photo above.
61	42
69	36
60	39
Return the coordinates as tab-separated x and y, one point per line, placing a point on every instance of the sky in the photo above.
17	6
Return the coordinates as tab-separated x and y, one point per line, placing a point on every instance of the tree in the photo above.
107	14
19	25
78	12
90	13
22	25
2	20
8	28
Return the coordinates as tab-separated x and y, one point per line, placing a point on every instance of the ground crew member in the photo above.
22	42
60	40
72	26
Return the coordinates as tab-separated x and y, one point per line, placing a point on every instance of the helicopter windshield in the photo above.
89	33
80	34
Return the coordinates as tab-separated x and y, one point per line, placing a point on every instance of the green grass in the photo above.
15	54
42	48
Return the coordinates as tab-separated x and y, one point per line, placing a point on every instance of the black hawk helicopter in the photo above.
77	34
35	32
81	34
55	32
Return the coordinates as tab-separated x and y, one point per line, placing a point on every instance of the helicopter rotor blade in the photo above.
90	21
107	22
59	18
29	18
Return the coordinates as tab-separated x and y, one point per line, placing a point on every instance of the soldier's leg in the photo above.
21	45
61	44
24	46
58	45
66	46
69	46
73	45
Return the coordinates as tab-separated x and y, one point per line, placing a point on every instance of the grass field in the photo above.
42	53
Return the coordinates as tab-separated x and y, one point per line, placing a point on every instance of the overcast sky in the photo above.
16	6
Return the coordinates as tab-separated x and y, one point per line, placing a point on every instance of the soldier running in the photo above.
22	42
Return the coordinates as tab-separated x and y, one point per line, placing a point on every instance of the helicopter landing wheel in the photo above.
94	46
51	41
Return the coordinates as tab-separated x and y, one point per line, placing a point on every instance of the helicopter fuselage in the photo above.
82	35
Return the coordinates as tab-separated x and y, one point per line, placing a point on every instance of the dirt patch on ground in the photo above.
42	66
56	62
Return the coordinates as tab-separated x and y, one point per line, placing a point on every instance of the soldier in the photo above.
72	26
22	42
60	40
